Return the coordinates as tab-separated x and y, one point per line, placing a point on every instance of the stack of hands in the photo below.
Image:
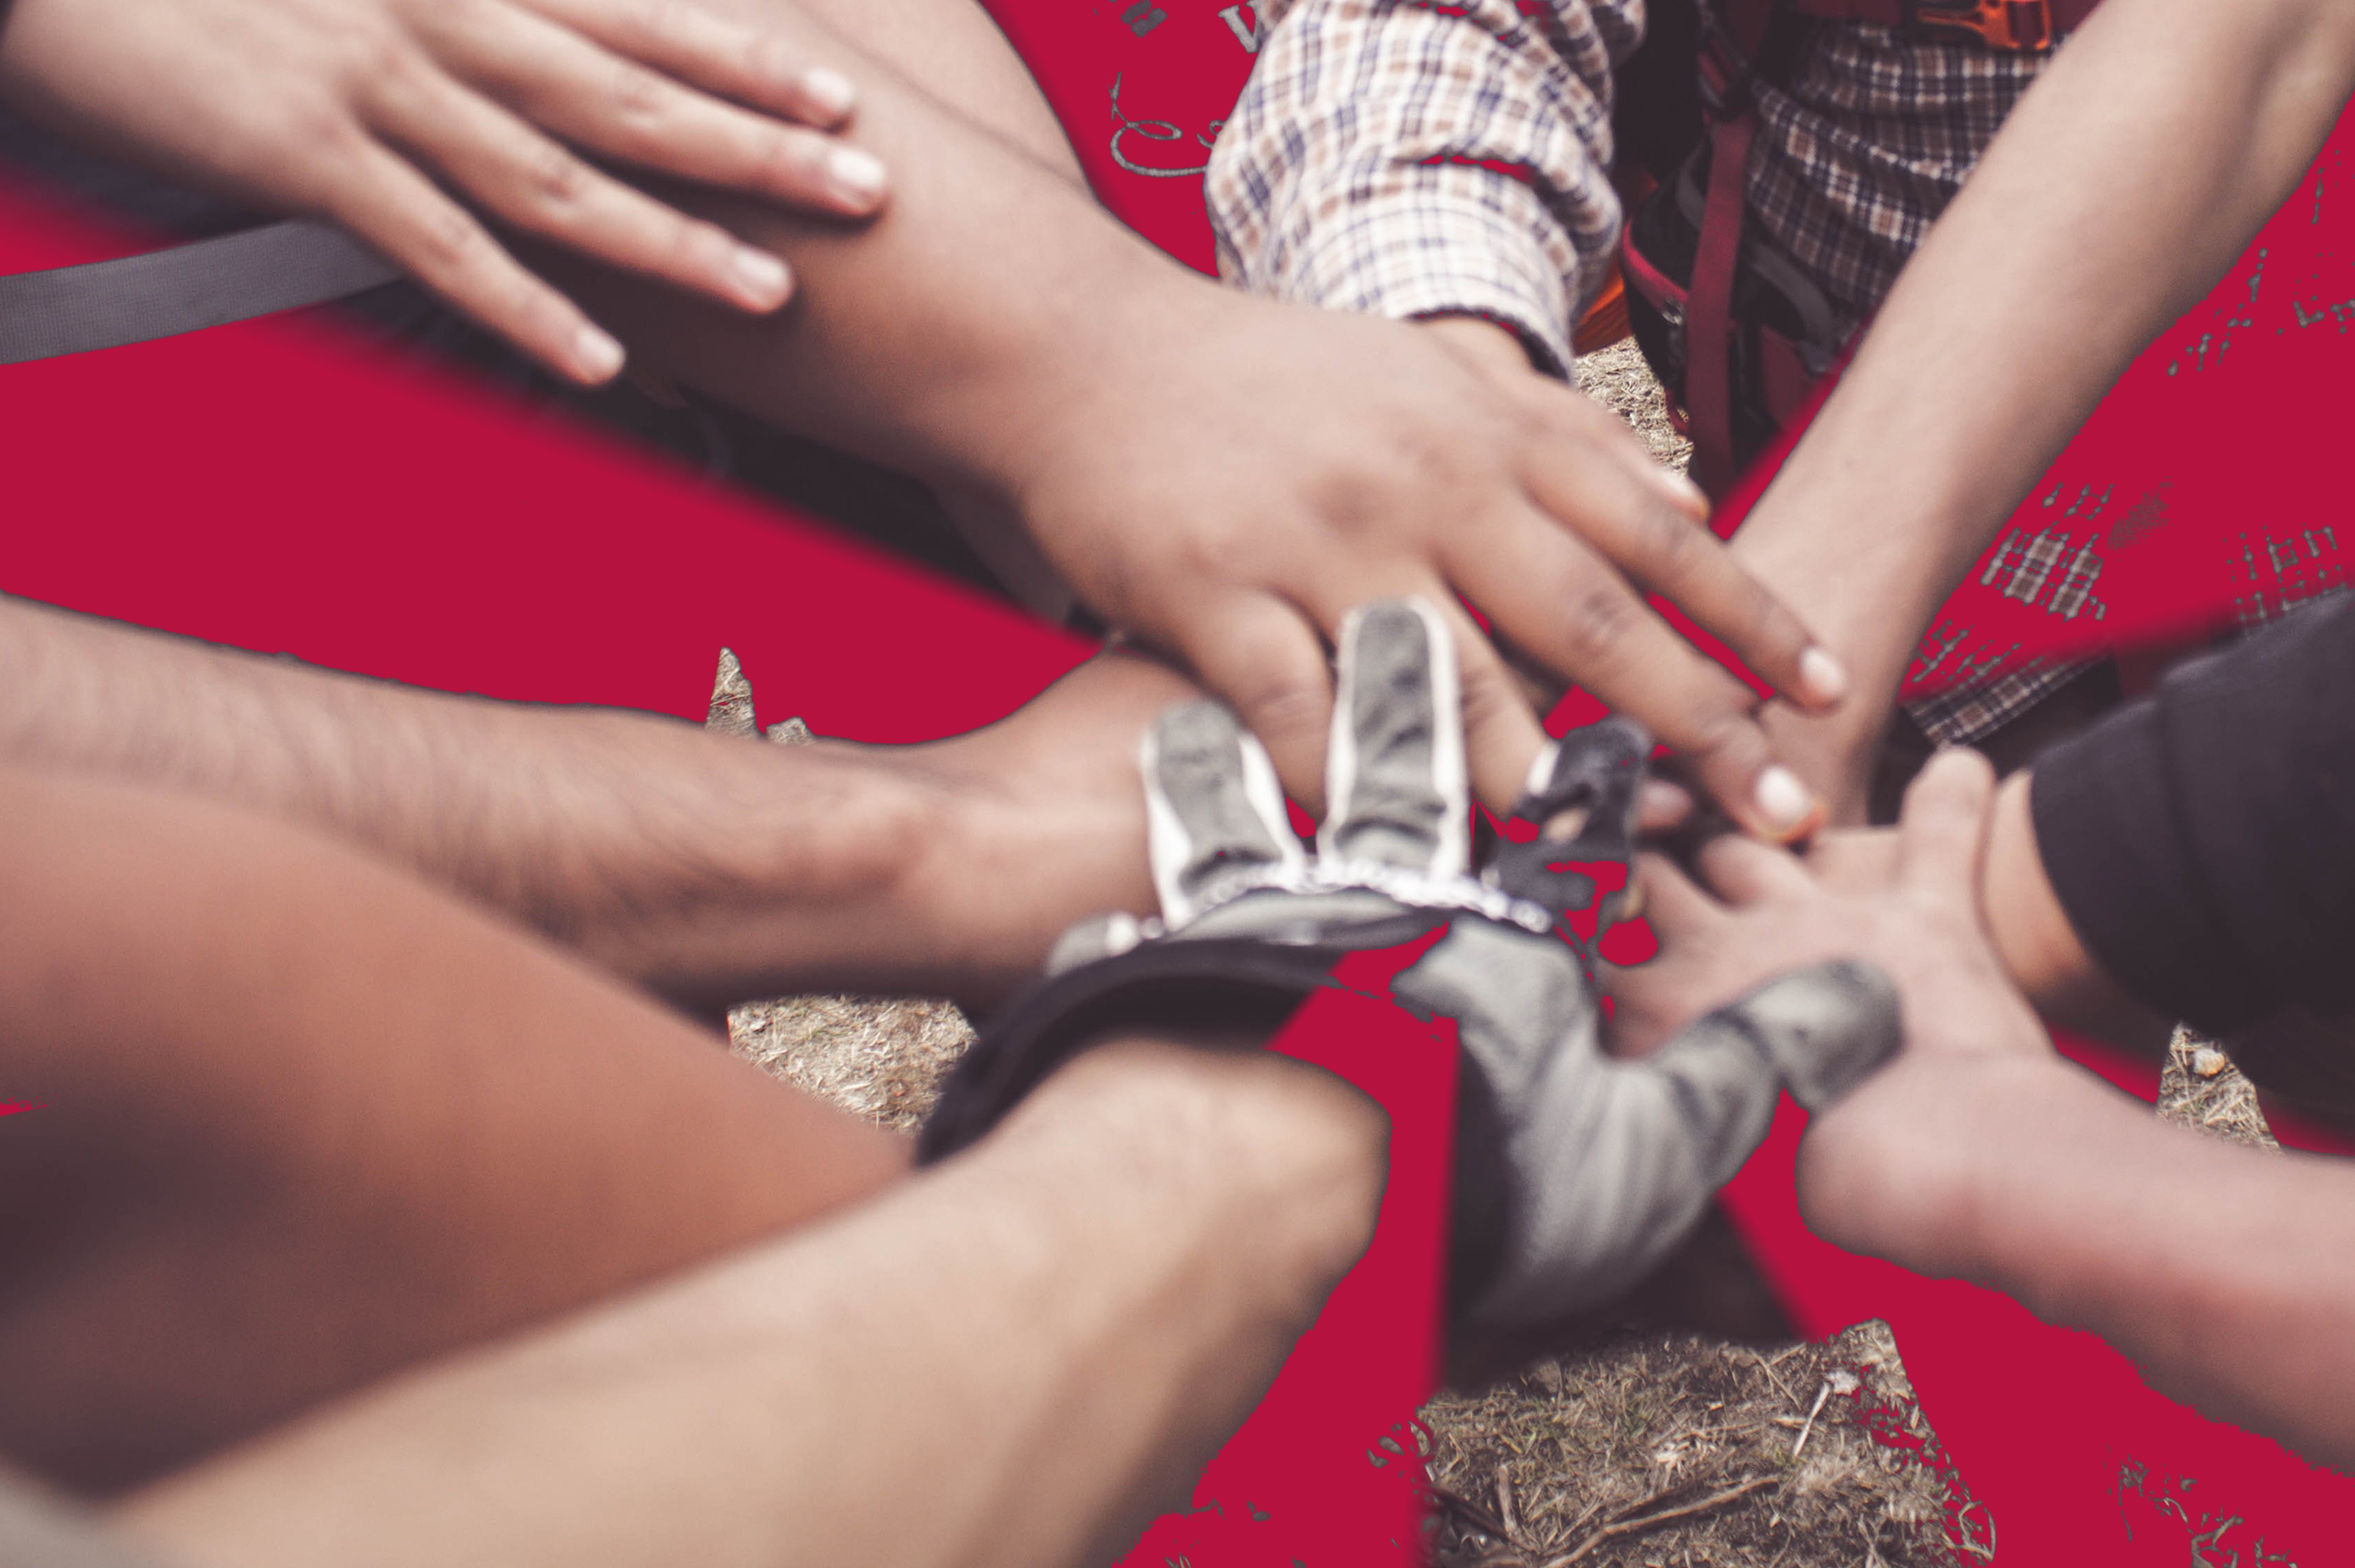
411	123
1857	976
1299	463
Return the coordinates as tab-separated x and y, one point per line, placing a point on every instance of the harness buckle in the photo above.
2014	27
1725	71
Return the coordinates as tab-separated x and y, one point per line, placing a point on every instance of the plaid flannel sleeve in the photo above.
1414	159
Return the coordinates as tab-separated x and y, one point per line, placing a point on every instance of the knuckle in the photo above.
1213	551
375	60
791	158
316	123
1603	617
695	248
1723	732
646	22
448	242
558	181
1771	626
1280	705
1676	549
639	93
1487	699
1397	474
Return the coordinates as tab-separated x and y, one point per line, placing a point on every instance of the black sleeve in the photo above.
2203	840
39	1532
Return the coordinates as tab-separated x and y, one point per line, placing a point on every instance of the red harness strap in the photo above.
2015	25
1736	35
1709	303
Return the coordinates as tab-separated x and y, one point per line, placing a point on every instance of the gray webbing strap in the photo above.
279	266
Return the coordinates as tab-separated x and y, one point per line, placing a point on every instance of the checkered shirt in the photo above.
1414	159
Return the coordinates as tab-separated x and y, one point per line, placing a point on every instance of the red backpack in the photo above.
1733	328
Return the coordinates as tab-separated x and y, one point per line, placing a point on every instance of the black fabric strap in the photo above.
2202	842
257	272
1249	986
39	1530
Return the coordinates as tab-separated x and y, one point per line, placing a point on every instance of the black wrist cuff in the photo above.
1248	987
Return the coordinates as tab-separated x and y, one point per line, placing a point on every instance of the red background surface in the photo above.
274	486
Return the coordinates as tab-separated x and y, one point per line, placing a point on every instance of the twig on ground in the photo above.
1822	1394
1647	1521
1505	1503
1768	1368
1470	1512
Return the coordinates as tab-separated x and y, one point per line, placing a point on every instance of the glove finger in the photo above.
1582	795
1610	1164
1616	1161
1825	1028
1395	783
1212	806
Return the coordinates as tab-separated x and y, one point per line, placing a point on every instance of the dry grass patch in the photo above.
880	1060
1677	1450
1656	1451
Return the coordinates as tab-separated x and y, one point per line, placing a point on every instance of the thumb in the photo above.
1823	1030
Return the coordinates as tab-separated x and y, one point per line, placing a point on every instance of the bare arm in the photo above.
2163	135
2224	1271
363	110
1979	1153
1228	476
711	868
1048	1336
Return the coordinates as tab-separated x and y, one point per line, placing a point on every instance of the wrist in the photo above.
1290	1160
1920	1164
1003	417
2036	944
1865	575
731	868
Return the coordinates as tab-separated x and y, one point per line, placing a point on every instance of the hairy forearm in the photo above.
2227	1273
1047	1336
710	867
2159	140
949	336
2041	948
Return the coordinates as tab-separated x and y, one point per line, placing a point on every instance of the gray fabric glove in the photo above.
1576	1173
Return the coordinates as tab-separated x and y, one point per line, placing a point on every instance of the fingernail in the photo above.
597	353
1683	492
856	177
1783	800
1631	901
828	91
1822	677
761	275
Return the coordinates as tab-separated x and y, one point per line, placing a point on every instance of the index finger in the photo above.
1557	602
724	53
1628	517
1943	830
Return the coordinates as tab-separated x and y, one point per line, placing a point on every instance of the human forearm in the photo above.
942	337
2158	142
2043	951
1052	1332
711	867
2223	1270
306	1120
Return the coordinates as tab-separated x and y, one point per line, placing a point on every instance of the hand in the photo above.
1884	1171
355	109
1834	754
1239	475
1045	823
1575	1173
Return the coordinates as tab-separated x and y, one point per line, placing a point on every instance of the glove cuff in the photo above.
1243	985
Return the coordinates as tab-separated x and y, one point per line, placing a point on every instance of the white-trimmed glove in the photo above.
1576	1173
